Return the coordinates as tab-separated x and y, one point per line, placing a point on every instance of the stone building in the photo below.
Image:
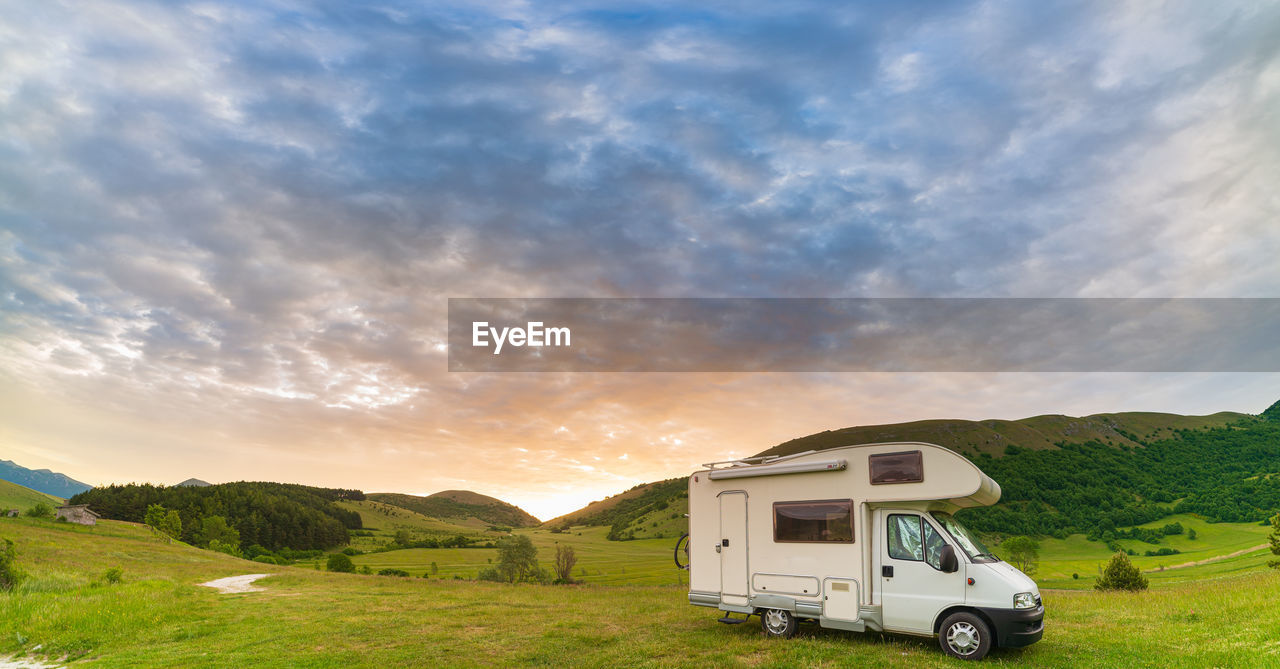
78	513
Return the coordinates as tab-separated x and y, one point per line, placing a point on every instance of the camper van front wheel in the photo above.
965	636
778	623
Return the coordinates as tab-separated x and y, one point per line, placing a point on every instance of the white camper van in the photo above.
856	538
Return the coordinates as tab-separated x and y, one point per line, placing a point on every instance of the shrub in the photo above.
435	569
1275	533
393	572
364	569
113	575
1120	574
1075	575
1191	535
10	575
565	561
341	563
40	510
352	551
227	547
268	559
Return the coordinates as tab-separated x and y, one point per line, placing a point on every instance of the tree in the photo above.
167	522
1191	535
341	563
215	528
1024	553
403	538
435	568
1120	574
517	561
155	515
565	561
1275	538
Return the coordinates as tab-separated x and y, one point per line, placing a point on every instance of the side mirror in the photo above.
948	560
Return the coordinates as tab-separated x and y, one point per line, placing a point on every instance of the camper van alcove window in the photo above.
822	521
906	467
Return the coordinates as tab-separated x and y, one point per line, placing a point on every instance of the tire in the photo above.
778	623
966	636
682	546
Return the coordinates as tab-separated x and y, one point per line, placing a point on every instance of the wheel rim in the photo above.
963	638
776	621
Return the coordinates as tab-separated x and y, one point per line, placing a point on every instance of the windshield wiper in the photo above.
990	555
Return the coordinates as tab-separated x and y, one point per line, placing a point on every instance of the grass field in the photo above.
384	520
600	561
649	561
159	617
1060	558
14	496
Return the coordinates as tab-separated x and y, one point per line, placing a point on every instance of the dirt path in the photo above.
236	583
1215	558
15	663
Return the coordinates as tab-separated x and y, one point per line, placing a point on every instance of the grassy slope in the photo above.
159	618
14	496
1060	558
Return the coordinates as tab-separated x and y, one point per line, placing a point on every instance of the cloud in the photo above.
249	216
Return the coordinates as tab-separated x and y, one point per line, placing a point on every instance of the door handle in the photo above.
886	571
717	548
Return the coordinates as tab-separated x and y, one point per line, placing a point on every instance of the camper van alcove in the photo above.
857	538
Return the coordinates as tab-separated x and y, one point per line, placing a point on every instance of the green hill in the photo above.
460	507
1036	433
14	496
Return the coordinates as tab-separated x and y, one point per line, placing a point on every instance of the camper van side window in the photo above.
906	467
826	521
904	537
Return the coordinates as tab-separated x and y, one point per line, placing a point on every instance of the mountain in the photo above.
195	483
461	505
14	496
1059	475
42	480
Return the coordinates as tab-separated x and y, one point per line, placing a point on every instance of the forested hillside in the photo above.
1059	475
460	505
272	515
1223	474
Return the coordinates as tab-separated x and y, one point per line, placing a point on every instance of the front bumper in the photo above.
1016	628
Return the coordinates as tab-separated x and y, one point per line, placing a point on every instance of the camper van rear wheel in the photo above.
965	636
778	623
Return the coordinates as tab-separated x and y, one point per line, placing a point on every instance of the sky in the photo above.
228	232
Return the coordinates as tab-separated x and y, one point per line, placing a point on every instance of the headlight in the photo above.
1024	600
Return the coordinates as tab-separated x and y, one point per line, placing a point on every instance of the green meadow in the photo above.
68	610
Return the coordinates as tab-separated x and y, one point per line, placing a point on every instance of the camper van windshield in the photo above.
978	552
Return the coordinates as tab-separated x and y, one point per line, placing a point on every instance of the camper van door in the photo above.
913	587
733	547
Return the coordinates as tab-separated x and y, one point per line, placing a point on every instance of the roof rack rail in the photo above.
753	460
